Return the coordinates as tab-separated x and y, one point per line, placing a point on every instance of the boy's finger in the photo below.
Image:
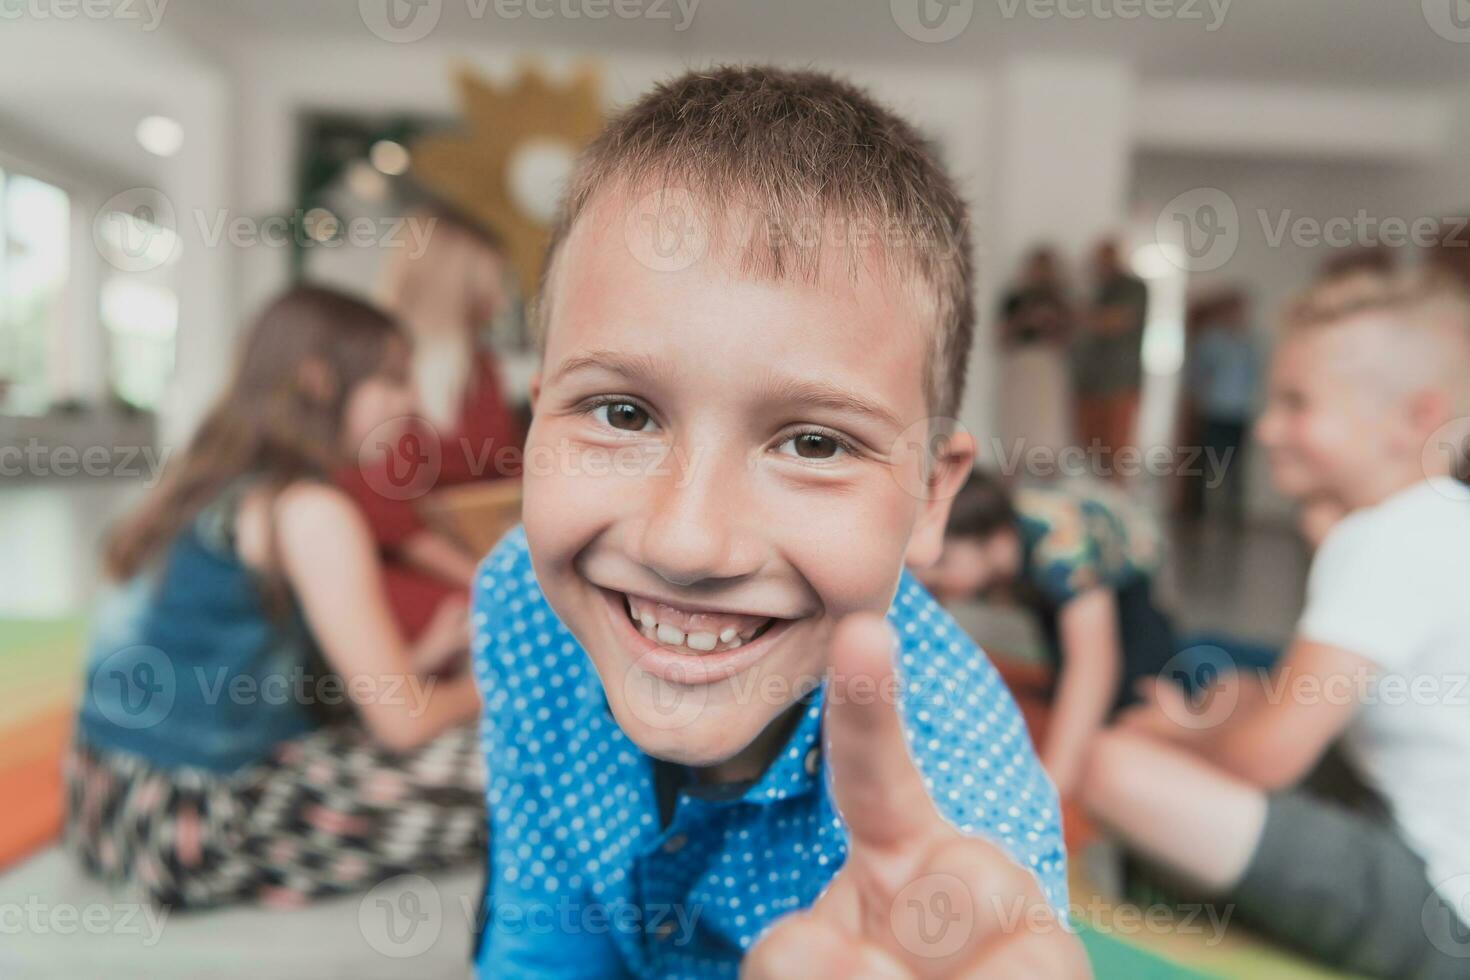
876	787
802	947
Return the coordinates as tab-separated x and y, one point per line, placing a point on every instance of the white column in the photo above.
1061	148
197	183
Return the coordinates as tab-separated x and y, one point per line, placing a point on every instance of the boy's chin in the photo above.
1295	482
697	739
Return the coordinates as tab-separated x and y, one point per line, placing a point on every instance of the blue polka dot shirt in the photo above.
586	880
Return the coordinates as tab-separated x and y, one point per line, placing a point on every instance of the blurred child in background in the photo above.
1368	387
446	296
1081	556
209	765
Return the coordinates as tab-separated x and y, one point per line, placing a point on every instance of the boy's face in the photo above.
735	460
1329	423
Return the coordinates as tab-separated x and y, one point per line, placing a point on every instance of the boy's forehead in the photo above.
653	239
668	229
1355	357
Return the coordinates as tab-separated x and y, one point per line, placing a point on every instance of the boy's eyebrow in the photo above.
630	365
825	394
802	391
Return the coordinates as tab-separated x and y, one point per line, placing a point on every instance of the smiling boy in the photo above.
756	309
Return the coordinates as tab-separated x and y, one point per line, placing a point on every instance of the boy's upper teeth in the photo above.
701	632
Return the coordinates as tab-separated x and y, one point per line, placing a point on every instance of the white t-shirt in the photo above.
1391	583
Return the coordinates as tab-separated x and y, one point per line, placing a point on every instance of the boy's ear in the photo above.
949	469
535	389
1428	411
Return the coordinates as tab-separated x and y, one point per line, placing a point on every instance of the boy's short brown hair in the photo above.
799	151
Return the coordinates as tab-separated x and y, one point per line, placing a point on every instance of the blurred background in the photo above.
166	168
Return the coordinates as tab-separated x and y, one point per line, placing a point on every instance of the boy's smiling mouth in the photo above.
693	630
690	645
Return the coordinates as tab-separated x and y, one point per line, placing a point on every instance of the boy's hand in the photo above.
916	898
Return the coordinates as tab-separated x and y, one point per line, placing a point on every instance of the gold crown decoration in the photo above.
471	169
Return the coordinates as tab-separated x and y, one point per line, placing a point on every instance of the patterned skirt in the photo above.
331	812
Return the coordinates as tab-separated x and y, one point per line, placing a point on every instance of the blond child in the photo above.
1367	389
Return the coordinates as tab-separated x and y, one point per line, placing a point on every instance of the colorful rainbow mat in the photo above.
40	663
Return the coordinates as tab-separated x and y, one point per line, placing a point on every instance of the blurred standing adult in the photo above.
1107	358
1035	324
1224	374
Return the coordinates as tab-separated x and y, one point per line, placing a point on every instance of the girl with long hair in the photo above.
254	725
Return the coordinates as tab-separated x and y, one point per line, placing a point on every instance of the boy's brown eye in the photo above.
814	445
626	416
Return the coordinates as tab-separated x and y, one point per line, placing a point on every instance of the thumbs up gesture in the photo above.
915	898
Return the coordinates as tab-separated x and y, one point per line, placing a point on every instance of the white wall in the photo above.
1267	191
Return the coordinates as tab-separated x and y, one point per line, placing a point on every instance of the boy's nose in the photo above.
693	531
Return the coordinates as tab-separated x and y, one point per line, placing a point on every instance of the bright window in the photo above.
34	260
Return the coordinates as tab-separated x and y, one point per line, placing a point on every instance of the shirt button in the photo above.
675	844
663	930
812	761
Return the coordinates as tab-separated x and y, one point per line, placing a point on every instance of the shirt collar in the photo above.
795	770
